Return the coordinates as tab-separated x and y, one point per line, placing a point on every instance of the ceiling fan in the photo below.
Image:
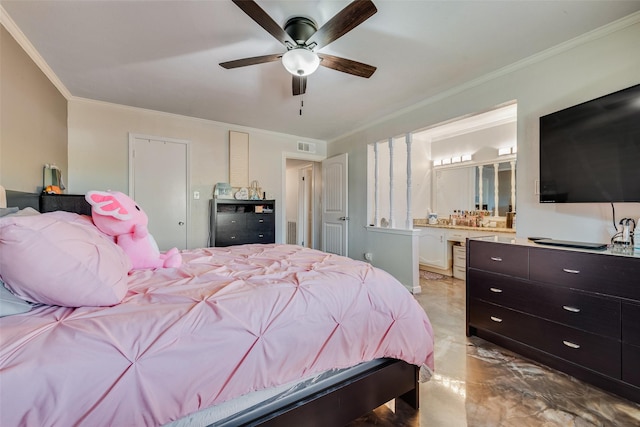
303	39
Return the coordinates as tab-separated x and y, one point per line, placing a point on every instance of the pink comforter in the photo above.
229	321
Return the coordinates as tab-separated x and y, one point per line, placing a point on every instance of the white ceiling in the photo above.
164	55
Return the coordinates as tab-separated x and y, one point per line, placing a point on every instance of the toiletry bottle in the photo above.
636	237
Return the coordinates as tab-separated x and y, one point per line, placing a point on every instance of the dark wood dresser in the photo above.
238	222
576	311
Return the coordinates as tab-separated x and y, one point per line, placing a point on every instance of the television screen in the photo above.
590	153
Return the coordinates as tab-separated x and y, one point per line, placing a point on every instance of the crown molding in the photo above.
222	125
26	45
595	34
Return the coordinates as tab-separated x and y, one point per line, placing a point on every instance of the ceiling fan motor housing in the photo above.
300	29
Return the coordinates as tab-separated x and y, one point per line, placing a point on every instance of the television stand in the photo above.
570	244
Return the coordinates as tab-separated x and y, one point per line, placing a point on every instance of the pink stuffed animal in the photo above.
116	214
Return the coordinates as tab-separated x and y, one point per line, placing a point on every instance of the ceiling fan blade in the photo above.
250	61
346	20
299	85
346	65
261	17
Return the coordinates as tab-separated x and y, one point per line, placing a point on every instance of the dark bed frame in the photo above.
335	405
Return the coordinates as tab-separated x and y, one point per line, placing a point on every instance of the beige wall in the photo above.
88	140
597	64
33	120
99	155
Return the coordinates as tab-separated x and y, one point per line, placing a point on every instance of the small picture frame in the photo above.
223	190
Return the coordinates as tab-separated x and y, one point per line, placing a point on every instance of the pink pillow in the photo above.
61	258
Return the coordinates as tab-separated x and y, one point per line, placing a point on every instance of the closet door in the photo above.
159	184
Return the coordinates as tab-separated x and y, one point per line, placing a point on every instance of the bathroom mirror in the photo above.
495	187
52	179
454	190
476	187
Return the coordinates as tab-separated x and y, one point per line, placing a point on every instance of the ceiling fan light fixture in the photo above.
300	61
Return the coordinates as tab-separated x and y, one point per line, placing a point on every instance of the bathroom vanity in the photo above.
438	246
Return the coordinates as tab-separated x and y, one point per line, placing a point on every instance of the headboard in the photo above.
23	200
64	202
49	202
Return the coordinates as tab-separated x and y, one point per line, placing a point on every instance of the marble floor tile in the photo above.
477	383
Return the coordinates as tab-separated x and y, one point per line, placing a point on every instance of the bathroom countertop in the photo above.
419	222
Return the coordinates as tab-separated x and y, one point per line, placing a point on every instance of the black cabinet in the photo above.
576	311
238	222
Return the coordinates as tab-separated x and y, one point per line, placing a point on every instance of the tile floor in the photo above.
479	384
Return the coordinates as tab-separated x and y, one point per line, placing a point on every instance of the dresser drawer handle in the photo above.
261	220
567	270
496	319
233	237
261	235
570	344
496	258
496	290
571	309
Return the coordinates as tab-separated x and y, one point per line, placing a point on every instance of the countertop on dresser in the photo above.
523	241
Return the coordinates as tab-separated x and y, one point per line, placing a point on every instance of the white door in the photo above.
158	183
335	213
305	207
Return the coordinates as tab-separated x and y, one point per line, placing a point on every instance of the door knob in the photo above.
180	223
344	218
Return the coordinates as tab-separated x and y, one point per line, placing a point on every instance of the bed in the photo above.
245	335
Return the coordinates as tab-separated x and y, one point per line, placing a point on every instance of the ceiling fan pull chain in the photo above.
301	97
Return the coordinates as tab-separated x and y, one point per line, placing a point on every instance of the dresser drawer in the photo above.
587	312
631	364
459	272
260	221
631	324
457	236
613	275
589	350
262	236
501	258
245	237
459	256
230	239
230	222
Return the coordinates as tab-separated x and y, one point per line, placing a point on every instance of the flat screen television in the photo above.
590	153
